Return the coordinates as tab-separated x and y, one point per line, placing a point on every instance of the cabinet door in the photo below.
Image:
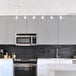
73	29
52	30
3	30
41	30
7	68
0	69
20	25
31	25
64	30
11	29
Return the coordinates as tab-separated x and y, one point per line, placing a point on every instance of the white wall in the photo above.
37	7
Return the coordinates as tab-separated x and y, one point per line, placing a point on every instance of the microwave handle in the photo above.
31	40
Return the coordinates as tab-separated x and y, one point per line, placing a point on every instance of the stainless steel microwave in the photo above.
25	39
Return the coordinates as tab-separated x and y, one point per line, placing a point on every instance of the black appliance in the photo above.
25	67
2	53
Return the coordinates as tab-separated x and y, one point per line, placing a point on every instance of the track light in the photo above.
42	17
16	9
25	17
60	17
51	17
16	17
33	17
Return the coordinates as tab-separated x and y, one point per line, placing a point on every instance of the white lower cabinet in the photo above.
51	73
62	73
6	67
0	69
47	67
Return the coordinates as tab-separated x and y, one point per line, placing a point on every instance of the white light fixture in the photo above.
51	17
33	17
16	7
42	17
25	17
60	17
16	17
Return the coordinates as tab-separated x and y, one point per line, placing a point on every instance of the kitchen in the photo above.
53	24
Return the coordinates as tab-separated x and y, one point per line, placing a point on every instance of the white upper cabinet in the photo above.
31	24
3	30
11	28
41	30
52	29
64	30
49	30
73	29
20	25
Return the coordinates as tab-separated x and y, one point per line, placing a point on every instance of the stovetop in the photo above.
26	60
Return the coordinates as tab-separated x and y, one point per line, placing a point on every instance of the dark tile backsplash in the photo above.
41	51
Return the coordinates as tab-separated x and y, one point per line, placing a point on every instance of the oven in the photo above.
25	69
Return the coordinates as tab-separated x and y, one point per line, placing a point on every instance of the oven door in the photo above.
25	70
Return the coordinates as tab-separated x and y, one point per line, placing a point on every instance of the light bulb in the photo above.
16	17
51	17
33	17
24	17
42	17
60	17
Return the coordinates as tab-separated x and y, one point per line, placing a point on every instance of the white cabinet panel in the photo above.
11	29
0	69
15	26
41	30
52	30
64	30
7	67
73	29
3	30
31	24
20	25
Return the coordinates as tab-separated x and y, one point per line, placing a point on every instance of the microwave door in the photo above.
23	40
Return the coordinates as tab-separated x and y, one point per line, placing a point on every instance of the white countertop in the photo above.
47	65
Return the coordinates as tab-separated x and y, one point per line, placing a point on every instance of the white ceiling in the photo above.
37	7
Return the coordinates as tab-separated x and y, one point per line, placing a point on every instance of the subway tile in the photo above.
41	51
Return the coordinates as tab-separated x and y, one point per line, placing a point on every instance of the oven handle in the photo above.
24	65
23	68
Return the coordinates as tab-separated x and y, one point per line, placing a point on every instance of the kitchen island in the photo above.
6	67
56	67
